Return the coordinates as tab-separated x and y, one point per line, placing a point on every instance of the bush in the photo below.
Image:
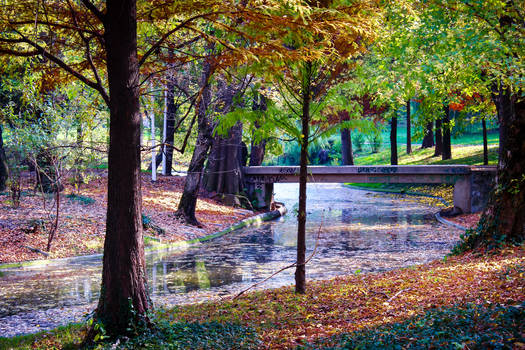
211	335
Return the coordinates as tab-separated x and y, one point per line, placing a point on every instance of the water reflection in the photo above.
359	231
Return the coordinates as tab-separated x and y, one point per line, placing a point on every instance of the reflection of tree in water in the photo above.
191	272
259	246
47	291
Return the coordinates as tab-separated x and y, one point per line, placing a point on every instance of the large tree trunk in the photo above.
428	139
503	220
439	138
447	146
346	147
393	141
300	270
223	172
4	169
409	133
485	142
124	300
188	202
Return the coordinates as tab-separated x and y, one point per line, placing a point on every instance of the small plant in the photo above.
359	141
81	199
375	141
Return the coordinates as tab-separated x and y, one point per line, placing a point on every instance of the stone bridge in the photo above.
472	184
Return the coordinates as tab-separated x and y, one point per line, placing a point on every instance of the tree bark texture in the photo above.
409	132
503	220
300	271
393	141
428	139
257	150
223	172
447	146
504	216
485	142
4	169
171	115
188	201
439	138
124	300
347	155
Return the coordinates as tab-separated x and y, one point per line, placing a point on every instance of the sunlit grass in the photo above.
469	155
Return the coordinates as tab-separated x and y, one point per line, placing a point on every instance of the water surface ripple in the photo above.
359	231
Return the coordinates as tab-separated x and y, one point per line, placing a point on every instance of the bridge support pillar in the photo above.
462	194
260	194
471	193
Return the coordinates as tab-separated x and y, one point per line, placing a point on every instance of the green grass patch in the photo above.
84	200
60	338
459	327
469	155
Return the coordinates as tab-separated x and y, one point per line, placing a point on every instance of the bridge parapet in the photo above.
471	184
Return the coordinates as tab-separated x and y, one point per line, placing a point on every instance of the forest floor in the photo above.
81	225
472	301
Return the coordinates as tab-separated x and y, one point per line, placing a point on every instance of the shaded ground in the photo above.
82	221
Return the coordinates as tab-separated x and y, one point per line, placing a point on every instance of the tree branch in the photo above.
170	32
94	10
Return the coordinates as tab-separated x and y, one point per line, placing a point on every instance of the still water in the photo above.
353	230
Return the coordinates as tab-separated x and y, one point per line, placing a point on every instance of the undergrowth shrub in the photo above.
459	327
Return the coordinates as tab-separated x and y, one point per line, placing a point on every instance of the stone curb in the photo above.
447	222
254	220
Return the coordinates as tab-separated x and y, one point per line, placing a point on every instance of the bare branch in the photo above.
94	10
170	32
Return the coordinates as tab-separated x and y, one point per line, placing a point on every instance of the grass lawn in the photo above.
469	155
474	300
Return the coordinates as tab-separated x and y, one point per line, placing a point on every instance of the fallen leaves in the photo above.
346	304
82	225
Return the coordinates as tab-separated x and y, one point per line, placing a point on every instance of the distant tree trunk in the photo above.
300	270
257	153
4	169
409	135
171	114
347	153
447	147
439	138
188	201
124	301
428	139
257	149
485	142
393	141
503	218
